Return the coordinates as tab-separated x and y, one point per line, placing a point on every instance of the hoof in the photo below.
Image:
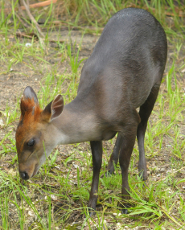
91	212
123	207
109	173
124	211
143	175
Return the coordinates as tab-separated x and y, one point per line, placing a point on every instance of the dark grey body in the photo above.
124	72
127	62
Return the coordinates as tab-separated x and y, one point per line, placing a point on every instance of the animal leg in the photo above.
96	148
144	113
115	154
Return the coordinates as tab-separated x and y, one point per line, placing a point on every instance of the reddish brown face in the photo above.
28	138
33	141
29	135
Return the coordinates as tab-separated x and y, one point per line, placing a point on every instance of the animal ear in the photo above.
53	109
29	93
28	100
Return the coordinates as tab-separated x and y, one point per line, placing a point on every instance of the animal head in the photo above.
34	140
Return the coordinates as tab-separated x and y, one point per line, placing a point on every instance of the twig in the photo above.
40	4
22	14
17	15
30	35
31	17
35	5
34	21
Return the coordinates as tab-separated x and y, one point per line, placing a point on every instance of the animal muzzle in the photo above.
24	175
28	172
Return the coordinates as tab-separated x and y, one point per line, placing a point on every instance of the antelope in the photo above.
123	74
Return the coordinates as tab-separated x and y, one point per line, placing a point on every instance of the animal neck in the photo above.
77	123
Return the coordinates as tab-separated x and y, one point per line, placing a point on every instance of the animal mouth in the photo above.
35	171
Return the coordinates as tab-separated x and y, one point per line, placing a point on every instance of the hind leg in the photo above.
115	154
144	113
128	139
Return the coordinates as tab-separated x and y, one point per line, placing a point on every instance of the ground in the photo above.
164	140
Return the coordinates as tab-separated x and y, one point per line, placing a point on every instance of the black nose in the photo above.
24	175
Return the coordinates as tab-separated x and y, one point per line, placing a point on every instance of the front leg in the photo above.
96	148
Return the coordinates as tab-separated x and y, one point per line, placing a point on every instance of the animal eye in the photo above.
31	142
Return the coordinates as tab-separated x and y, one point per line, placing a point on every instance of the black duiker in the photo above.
123	73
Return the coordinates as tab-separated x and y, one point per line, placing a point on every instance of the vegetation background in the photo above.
56	198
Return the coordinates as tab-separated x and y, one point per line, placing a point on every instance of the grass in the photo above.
57	197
